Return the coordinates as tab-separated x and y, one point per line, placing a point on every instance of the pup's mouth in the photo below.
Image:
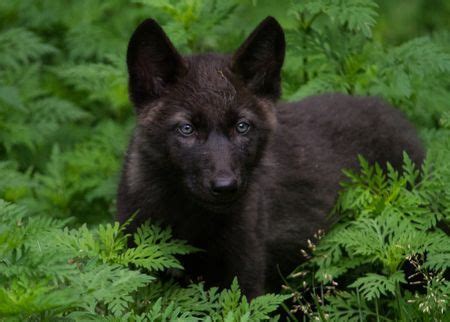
207	199
217	204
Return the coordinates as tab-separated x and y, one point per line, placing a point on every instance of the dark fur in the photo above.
287	168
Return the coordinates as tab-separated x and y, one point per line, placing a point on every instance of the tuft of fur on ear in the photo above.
153	63
259	59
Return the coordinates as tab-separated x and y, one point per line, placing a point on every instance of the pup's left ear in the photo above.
259	59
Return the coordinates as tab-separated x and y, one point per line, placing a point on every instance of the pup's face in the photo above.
209	117
211	133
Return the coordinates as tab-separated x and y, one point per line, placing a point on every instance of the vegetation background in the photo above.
65	120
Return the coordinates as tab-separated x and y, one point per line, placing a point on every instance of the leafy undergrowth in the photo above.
65	119
48	271
388	258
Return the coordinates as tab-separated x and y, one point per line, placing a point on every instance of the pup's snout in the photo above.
224	185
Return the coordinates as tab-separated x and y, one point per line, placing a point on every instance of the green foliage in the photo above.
195	26
65	118
49	272
332	50
387	219
372	285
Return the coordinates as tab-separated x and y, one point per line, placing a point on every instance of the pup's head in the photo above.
207	117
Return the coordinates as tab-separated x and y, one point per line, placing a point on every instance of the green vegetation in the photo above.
64	123
83	274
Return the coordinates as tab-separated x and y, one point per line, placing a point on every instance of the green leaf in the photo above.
373	286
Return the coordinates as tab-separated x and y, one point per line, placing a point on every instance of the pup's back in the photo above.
315	139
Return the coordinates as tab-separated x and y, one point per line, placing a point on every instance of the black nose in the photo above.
224	185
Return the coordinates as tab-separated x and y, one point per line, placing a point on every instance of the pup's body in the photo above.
245	180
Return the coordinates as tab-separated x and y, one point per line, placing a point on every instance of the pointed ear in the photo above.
153	63
259	60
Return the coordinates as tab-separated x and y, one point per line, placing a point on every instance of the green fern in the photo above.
373	285
347	306
87	274
19	47
386	220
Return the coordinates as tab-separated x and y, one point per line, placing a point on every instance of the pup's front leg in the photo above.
248	264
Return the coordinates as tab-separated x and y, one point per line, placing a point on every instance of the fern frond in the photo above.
348	306
372	286
19	46
356	15
100	81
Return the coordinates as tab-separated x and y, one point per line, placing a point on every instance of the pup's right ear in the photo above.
153	63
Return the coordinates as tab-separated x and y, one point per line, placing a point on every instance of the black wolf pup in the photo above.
231	171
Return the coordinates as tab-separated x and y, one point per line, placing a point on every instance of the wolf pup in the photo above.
232	172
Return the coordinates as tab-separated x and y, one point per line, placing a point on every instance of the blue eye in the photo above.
242	127
186	129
